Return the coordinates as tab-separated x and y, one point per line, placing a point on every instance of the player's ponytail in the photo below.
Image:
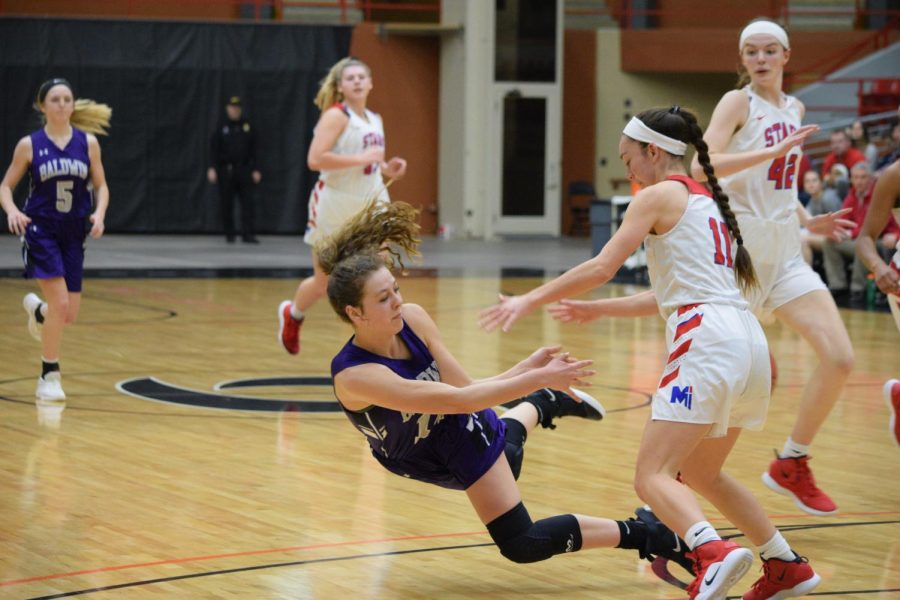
329	91
680	124
375	237
91	117
87	115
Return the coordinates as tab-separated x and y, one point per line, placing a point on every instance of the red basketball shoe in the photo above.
718	565
792	477
892	397
288	328
782	579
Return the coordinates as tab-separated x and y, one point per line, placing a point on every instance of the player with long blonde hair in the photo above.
68	185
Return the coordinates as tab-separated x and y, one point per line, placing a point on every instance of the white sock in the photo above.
778	548
793	450
296	312
699	533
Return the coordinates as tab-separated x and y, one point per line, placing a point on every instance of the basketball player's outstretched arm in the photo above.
583	311
642	214
884	198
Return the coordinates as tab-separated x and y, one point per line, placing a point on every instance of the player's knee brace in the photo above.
515	441
523	541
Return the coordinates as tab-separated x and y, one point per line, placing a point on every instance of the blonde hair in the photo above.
328	87
87	115
372	239
91	117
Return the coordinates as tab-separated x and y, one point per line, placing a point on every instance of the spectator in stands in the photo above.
838	180
834	253
842	152
859	138
893	152
821	200
802	169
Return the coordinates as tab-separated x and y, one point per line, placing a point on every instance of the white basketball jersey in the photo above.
358	135
693	263
767	190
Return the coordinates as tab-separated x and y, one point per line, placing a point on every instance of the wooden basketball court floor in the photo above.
117	495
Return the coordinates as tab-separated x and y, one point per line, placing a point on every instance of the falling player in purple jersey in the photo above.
67	186
426	419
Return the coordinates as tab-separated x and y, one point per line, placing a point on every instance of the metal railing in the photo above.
261	10
627	14
874	95
880	38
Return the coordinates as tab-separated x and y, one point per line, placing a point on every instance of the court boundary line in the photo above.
202	558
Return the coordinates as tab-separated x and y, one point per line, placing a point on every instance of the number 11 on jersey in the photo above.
721	257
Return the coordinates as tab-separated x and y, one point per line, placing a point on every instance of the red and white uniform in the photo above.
764	199
718	369
340	194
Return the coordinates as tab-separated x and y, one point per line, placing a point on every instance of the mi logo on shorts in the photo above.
682	395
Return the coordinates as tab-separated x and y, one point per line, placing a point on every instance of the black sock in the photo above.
38	315
545	406
48	367
632	534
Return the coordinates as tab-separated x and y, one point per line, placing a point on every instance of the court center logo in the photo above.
151	388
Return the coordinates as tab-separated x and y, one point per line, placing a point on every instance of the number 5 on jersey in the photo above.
64	196
781	174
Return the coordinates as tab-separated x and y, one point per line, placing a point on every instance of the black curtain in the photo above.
167	83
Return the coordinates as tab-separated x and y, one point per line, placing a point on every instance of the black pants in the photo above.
237	181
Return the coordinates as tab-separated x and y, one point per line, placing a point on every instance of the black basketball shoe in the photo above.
662	541
553	404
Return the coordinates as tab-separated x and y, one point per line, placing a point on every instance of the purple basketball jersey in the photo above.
451	451
59	178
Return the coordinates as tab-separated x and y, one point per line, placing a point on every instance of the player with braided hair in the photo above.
425	419
754	139
68	188
716	380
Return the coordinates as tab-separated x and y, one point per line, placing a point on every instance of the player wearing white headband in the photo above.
716	381
754	138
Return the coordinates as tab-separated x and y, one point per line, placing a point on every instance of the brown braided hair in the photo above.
374	238
682	125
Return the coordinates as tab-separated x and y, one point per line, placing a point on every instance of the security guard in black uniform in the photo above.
233	152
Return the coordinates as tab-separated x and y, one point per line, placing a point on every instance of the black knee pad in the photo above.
514	456
515	440
523	541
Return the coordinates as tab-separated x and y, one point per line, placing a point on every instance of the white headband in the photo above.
768	28
636	130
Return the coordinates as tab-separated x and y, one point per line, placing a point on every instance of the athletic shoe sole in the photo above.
735	564
801	589
49	393
887	398
590	401
776	487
